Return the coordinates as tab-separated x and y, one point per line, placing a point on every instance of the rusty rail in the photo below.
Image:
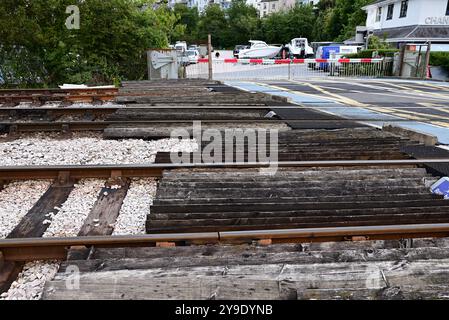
156	170
67	95
57	248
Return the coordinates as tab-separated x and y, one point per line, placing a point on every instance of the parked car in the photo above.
192	56
181	46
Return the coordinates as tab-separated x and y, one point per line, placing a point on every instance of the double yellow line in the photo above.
411	115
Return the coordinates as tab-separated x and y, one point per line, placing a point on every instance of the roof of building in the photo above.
376	2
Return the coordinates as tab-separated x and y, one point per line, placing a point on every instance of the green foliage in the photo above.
36	47
369	53
440	59
109	46
282	27
329	20
243	23
213	21
377	43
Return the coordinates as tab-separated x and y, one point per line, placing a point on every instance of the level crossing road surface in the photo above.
418	105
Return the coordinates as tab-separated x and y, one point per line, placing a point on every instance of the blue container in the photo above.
441	187
327	51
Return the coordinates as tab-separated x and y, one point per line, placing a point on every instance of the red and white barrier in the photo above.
260	69
289	61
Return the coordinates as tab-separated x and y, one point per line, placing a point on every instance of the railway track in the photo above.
12	97
339	190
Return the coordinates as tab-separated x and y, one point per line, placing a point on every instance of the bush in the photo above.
110	45
366	54
440	59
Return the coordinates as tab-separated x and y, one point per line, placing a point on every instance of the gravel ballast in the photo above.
69	220
50	149
90	148
66	223
136	207
16	200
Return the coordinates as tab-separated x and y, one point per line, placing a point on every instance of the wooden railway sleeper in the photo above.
65	129
64	179
116	179
13	130
357	238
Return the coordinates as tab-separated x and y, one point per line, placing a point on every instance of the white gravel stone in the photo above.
75	210
67	223
85	148
16	200
44	149
30	282
135	208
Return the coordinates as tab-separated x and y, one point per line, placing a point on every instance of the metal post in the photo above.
402	58
209	49
427	62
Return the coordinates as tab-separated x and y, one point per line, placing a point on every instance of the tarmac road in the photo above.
418	105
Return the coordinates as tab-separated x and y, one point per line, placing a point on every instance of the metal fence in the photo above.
286	69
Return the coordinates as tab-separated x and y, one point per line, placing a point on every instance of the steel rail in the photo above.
156	170
343	233
27	249
80	124
66	126
72	95
184	106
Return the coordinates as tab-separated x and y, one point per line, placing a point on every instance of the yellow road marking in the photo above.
410	115
338	97
434	106
441	124
431	85
420	92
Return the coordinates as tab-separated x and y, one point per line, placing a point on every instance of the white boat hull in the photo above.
257	53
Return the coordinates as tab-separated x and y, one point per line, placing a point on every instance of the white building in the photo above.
266	7
312	2
200	4
411	21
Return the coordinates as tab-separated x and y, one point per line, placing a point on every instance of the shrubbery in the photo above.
440	59
36	46
365	54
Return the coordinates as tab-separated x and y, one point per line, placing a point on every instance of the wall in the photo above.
418	13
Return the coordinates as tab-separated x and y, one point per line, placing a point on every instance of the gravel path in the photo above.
136	206
88	148
16	200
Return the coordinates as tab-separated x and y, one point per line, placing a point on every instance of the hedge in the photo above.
440	59
365	54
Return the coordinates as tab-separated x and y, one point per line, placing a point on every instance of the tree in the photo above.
110	44
242	21
213	21
188	17
282	27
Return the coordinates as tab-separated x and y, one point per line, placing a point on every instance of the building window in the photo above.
404	8
379	14
390	12
273	6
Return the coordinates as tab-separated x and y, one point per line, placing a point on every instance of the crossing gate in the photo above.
290	69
